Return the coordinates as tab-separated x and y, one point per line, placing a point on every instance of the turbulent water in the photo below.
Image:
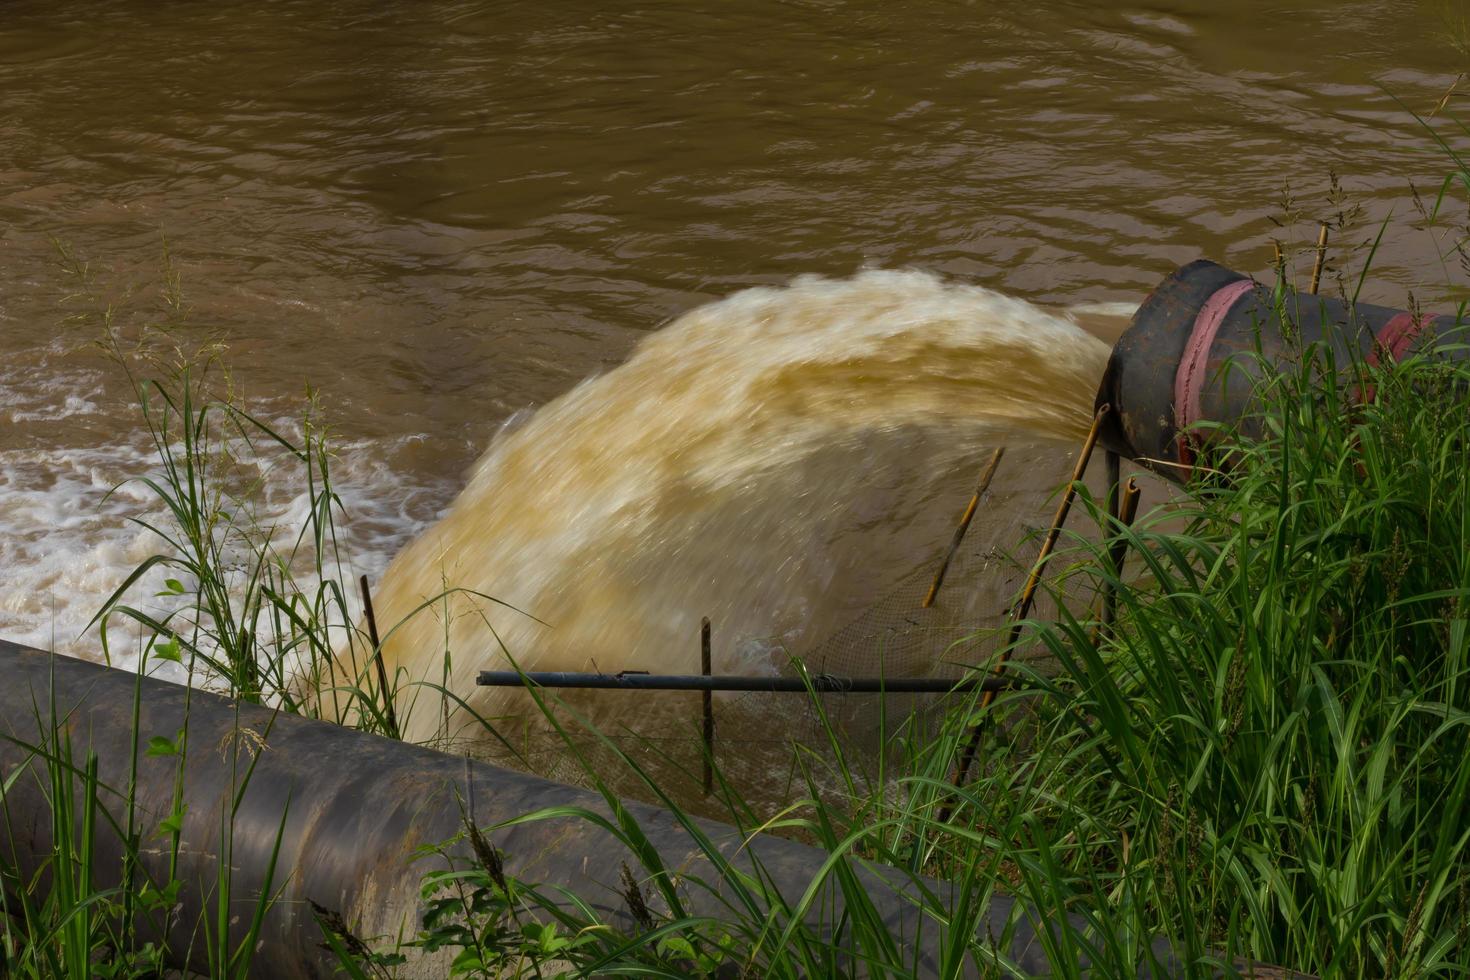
445	216
767	461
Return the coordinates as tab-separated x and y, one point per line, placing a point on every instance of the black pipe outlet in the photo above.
1197	347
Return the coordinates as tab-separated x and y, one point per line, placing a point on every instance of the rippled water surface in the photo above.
440	213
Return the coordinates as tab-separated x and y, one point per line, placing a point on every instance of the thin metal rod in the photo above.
630	680
1321	258
367	608
1023	607
709	708
1116	552
964	525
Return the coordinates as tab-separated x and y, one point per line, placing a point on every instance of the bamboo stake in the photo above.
1114	478
964	525
367	608
1023	607
1321	258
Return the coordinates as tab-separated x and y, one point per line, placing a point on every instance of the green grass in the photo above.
1269	758
240	608
61	921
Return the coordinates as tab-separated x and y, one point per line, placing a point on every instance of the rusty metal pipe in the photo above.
355	808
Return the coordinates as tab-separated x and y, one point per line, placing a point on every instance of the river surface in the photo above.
441	215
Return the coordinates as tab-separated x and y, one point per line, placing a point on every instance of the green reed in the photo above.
62	921
252	607
1267	757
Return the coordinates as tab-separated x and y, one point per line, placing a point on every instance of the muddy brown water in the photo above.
439	215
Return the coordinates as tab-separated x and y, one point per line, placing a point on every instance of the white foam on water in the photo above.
35	395
71	527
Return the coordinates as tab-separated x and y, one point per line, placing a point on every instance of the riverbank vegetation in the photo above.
1262	760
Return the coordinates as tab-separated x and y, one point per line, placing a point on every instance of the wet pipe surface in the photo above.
345	811
1202	340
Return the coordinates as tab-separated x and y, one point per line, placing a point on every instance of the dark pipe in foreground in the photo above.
355	808
1190	355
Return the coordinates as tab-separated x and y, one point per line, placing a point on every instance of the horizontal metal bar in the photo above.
825	683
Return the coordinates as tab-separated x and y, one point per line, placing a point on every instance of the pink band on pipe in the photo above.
1396	336
1190	378
1394	340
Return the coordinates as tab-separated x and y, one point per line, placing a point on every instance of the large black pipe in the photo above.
1196	347
340	814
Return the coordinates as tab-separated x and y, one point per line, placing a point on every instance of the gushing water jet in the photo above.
770	460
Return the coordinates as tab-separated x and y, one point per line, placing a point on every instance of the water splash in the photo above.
768	460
